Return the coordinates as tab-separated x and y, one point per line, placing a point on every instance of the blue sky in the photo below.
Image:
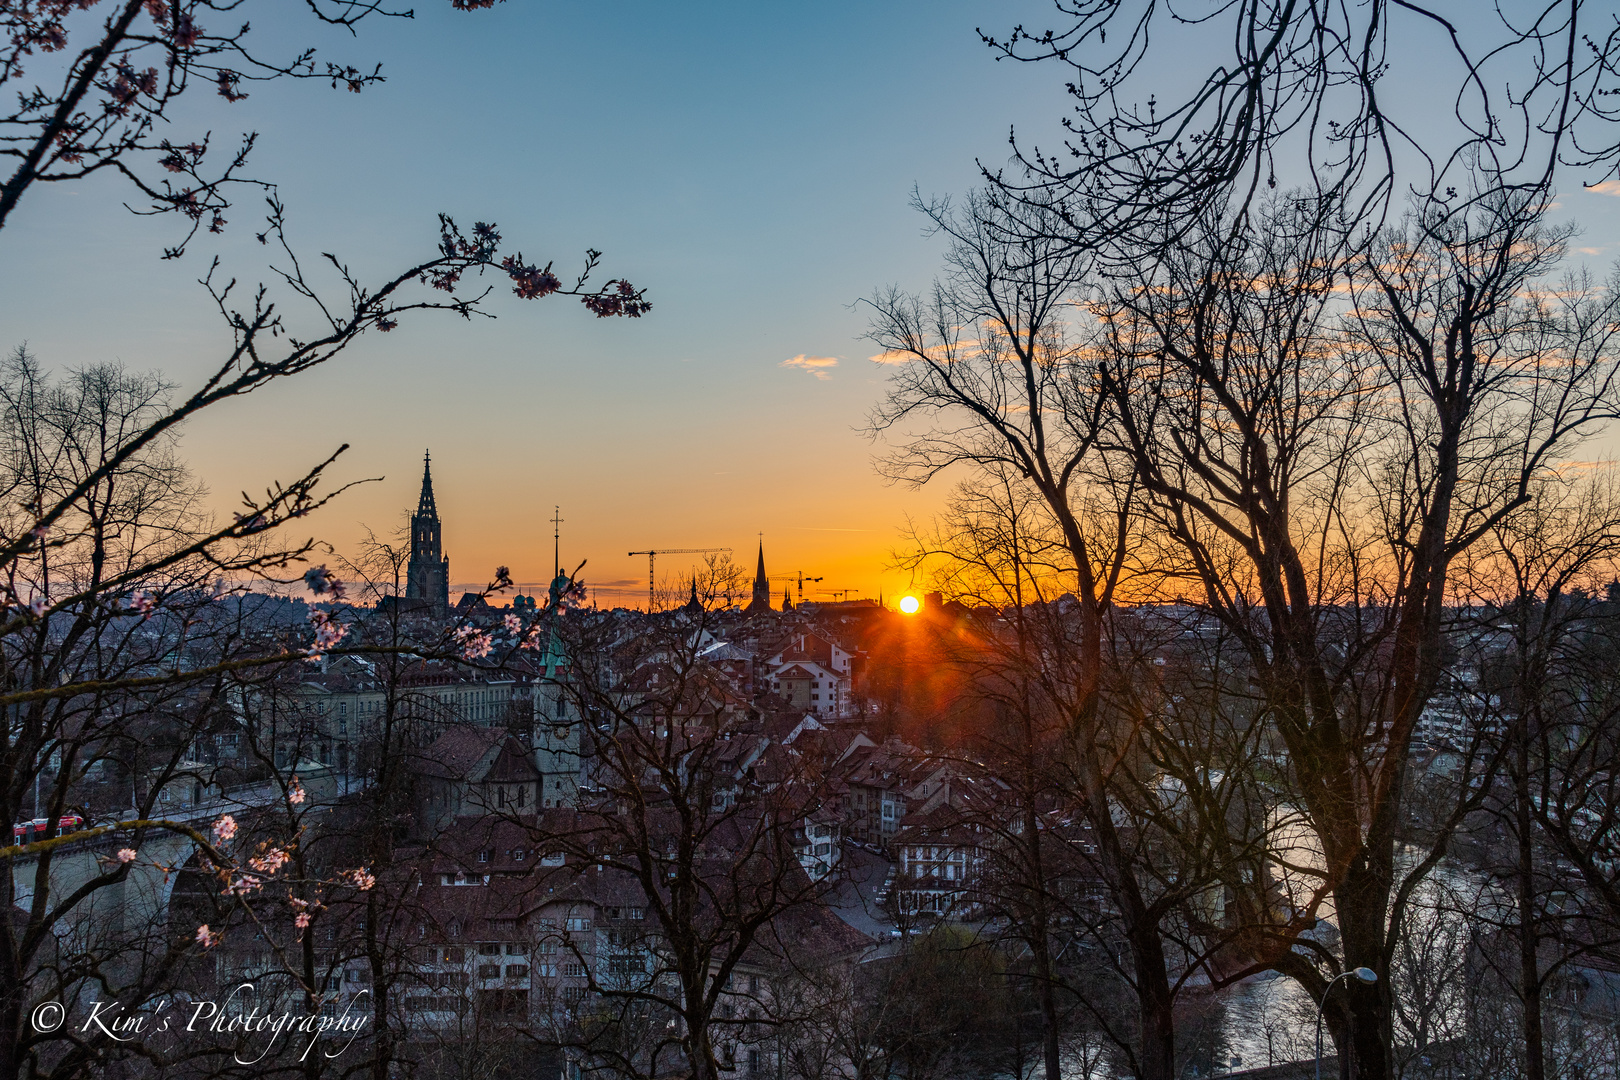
750	164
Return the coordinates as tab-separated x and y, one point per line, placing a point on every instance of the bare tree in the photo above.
1301	95
689	802
987	365
1321	477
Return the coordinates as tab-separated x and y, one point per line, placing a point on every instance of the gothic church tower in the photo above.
428	574
762	587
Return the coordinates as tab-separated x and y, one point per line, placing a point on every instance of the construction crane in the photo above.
652	562
839	593
797	575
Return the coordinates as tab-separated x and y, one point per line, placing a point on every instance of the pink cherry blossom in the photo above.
295	792
142	603
126	855
271	861
318	578
225	827
361	879
206	937
243	885
302	921
328	632
38	605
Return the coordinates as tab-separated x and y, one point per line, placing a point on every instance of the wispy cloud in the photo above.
814	528
1608	187
961	349
819	366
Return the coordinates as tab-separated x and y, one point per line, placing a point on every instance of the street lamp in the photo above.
1366	975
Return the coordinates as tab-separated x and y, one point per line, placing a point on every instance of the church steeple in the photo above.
693	605
425	506
761	600
428	574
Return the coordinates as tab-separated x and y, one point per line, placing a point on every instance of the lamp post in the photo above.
1366	975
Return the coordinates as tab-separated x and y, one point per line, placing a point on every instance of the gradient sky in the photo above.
749	164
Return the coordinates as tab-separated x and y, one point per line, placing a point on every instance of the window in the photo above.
578	923
516	948
509	1004
489	971
574	970
486	854
442	980
517	971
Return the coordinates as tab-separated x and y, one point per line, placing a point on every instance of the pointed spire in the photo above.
425	506
761	600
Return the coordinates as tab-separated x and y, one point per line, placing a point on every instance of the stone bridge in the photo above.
143	896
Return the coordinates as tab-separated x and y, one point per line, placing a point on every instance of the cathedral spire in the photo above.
761	600
425	506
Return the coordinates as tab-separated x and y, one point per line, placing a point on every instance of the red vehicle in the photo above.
29	831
